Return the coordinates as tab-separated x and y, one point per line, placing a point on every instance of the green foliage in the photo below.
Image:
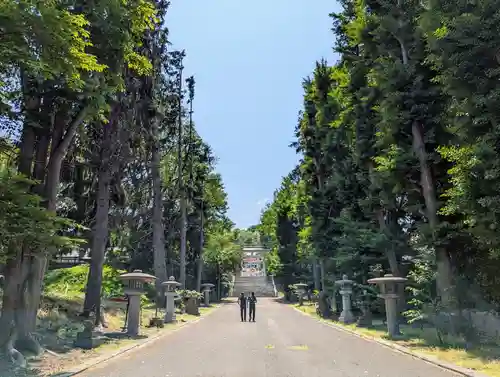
185	294
24	220
399	155
72	281
45	39
222	251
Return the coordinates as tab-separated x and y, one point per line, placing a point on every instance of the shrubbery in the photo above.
72	281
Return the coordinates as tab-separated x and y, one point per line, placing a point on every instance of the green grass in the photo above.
483	358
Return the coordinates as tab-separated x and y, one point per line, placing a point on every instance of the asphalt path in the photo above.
281	343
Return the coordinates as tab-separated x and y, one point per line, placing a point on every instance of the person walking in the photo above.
242	300
252	300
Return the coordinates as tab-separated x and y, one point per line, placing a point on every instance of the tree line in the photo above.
399	147
100	155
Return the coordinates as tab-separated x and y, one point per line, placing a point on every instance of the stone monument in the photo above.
192	303
134	287
345	290
206	288
324	310
366	318
388	291
88	338
170	293
301	291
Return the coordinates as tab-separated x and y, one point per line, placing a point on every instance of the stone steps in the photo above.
258	284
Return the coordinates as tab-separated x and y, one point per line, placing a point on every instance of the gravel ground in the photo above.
281	343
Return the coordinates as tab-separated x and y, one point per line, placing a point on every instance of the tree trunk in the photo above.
322	273
99	239
317	282
12	305
39	260
199	269
17	268
25	277
183	246
160	265
199	272
219	283
390	251
182	193
444	279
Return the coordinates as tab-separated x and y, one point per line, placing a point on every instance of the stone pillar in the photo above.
170	307
301	291
207	287
391	308
333	301
134	314
134	287
346	290
170	293
346	316
389	292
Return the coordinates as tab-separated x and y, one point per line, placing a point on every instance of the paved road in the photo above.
282	343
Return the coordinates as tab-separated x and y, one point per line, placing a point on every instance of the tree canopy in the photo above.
399	149
100	156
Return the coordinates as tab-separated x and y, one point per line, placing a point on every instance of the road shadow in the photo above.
228	300
422	338
282	300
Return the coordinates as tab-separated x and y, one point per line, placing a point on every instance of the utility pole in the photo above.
182	193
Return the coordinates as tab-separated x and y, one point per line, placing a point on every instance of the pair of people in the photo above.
250	301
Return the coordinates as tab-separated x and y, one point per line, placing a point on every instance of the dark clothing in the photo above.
252	300
243	308
242	301
251	314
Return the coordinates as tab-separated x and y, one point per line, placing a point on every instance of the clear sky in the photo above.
249	58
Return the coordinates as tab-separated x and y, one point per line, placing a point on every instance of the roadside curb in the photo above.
396	347
127	349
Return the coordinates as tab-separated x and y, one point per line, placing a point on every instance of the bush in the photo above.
185	294
72	281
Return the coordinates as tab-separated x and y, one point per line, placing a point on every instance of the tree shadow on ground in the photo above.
8	369
423	338
426	337
227	300
282	300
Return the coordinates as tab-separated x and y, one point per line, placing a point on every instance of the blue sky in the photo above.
249	58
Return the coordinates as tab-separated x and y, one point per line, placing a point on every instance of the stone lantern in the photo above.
345	291
170	293
301	290
389	292
134	287
206	288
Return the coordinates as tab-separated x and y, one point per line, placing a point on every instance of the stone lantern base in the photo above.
366	318
156	322
346	317
88	338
